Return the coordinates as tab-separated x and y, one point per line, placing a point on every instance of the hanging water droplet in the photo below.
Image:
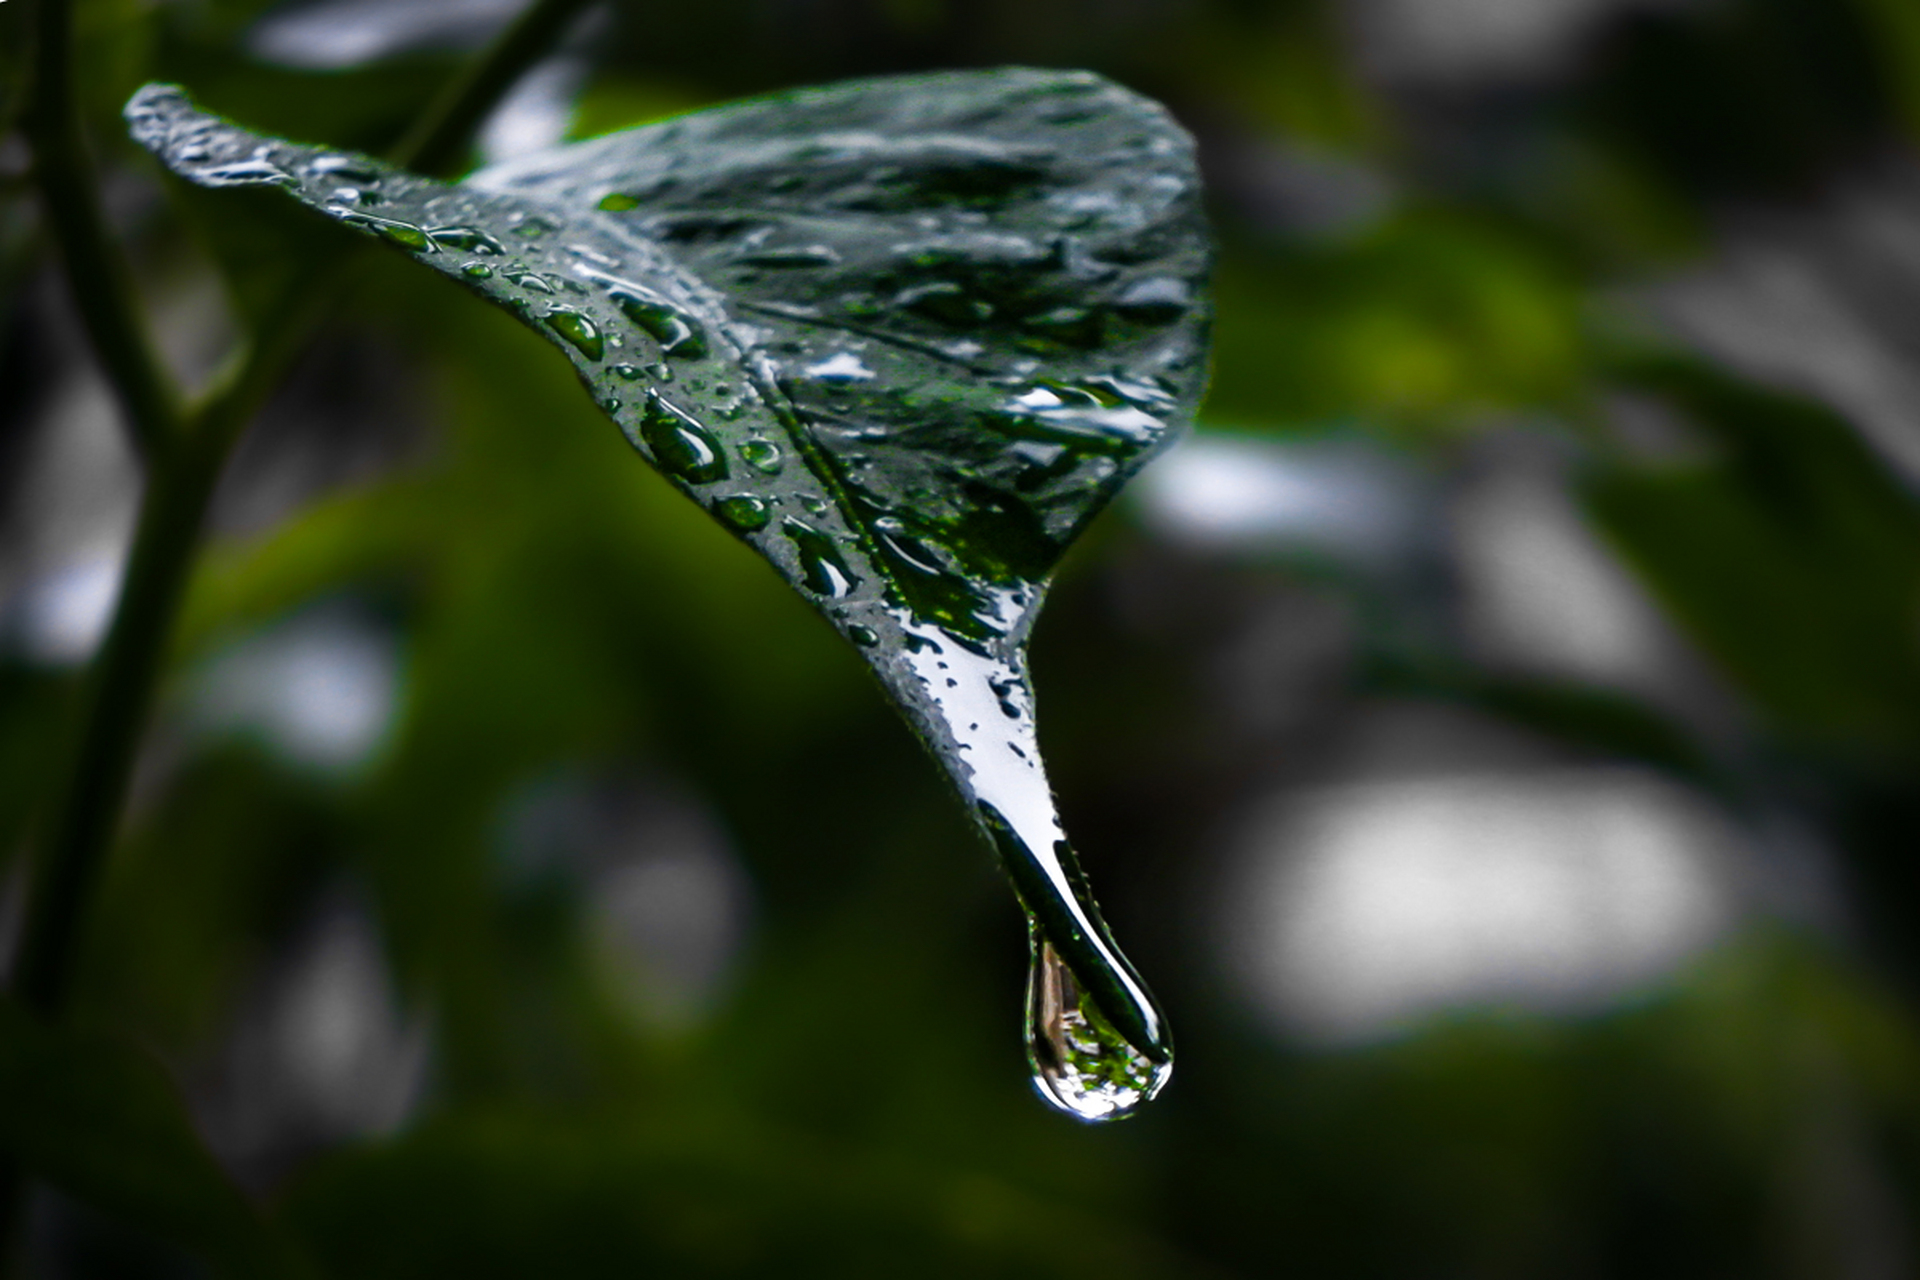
1080	1063
579	330
679	444
822	568
747	514
762	455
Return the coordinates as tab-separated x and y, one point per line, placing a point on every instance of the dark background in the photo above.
1496	734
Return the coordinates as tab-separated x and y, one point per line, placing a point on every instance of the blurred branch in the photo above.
97	272
438	139
432	146
184	459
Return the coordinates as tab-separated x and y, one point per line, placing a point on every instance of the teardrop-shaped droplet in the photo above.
471	239
345	168
762	455
679	444
678	334
578	330
747	514
822	567
1080	1063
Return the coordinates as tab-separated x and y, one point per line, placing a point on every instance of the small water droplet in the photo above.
532	281
618	202
863	635
679	444
813	255
404	234
471	239
345	168
243	172
627	372
762	455
1156	300
532	227
679	335
841	366
747	514
579	330
824	571
815	504
1081	1064
478	270
661	371
946	302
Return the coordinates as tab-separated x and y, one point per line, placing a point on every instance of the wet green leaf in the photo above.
903	337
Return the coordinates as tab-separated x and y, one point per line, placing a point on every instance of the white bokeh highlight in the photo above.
1360	912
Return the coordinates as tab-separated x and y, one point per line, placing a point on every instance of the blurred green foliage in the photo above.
852	1102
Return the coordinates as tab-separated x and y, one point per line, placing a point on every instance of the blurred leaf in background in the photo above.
1495	731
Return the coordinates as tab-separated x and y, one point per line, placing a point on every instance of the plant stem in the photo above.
96	268
180	484
437	141
122	689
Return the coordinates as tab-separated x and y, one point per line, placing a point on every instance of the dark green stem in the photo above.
119	697
185	455
96	269
439	139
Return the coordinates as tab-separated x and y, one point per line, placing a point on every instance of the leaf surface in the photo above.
904	337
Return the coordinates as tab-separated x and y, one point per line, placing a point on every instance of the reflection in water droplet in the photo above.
627	372
747	514
679	444
762	455
1080	1063
822	568
578	330
864	636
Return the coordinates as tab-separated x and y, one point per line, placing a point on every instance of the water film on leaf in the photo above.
905	338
